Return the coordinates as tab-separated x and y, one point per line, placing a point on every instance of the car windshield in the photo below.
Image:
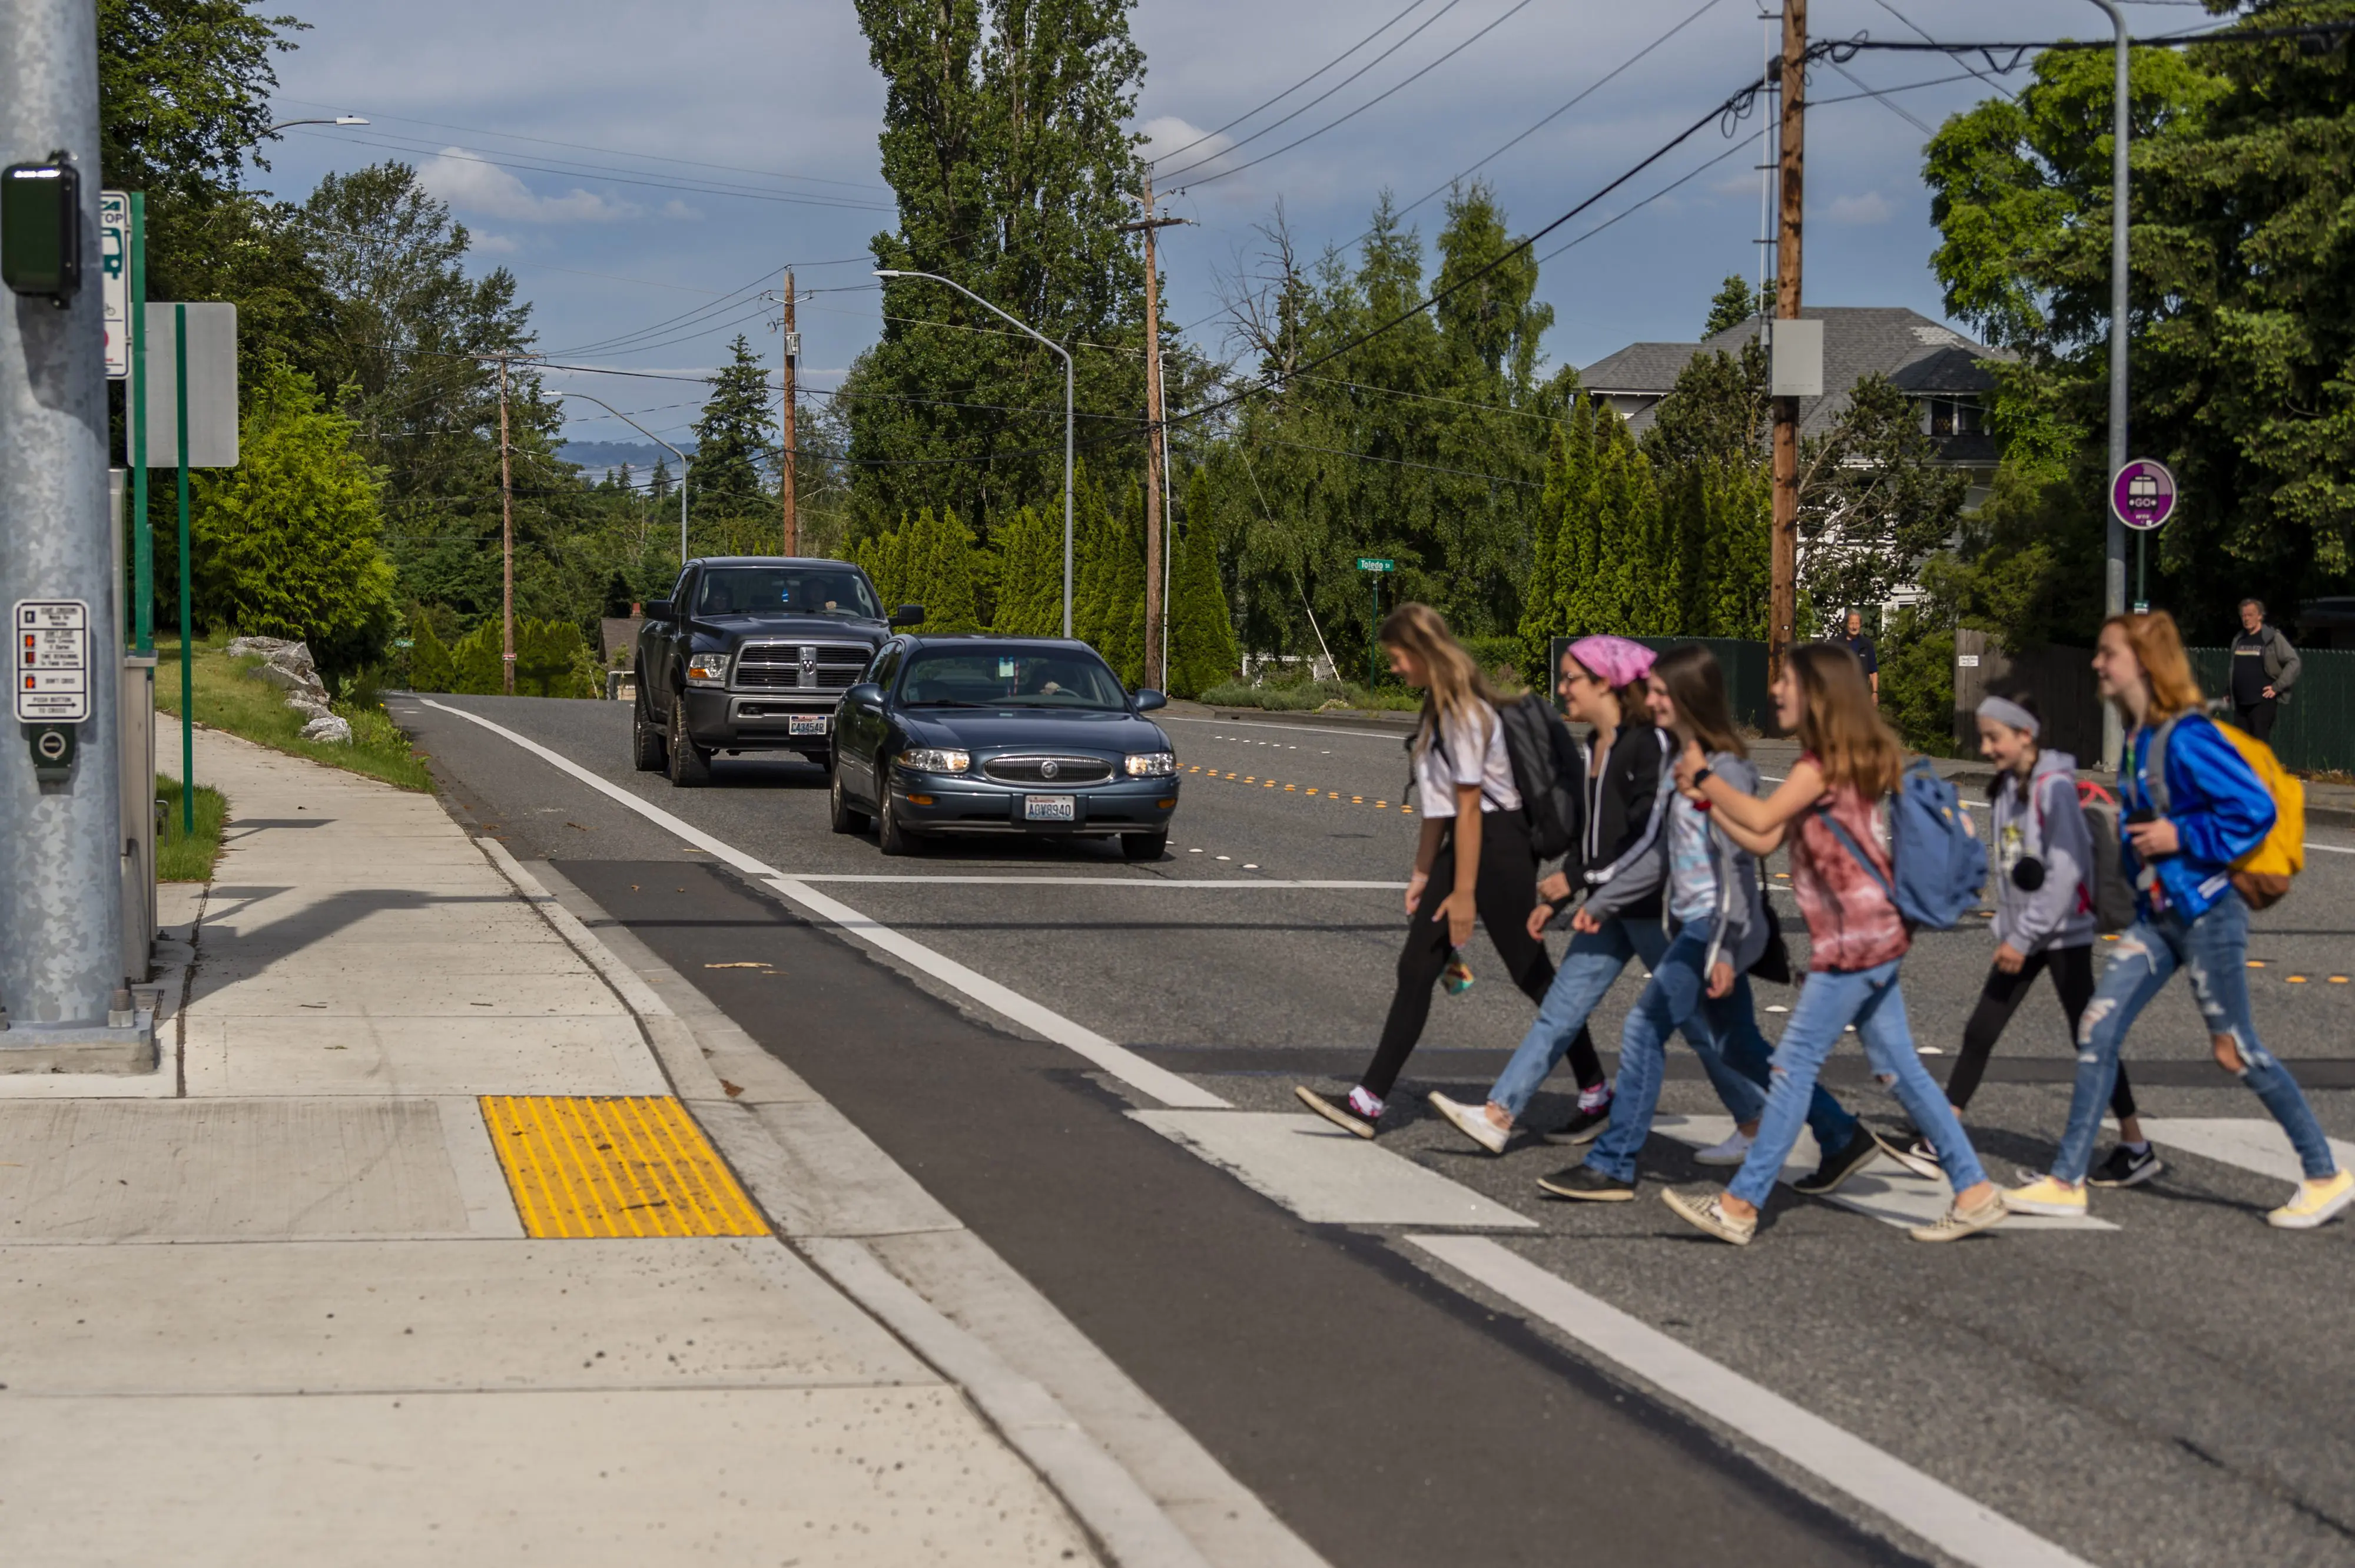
988	677
787	589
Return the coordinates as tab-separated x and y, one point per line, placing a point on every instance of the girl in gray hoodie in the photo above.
2043	852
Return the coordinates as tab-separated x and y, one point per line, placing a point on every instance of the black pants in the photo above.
2257	718
1505	891
2072	976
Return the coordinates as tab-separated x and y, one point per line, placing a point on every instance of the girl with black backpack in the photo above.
1473	858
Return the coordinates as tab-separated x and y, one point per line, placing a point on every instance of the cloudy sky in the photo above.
647	170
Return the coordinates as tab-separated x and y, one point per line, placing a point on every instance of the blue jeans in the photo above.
2214	949
1594	961
1734	1056
1828	1003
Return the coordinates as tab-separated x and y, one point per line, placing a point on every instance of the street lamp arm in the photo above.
338	119
658	440
1016	321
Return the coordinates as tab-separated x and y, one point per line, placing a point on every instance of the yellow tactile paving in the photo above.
614	1166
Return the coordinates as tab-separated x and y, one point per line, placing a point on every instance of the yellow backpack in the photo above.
2262	875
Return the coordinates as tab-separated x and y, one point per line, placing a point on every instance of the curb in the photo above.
1378	722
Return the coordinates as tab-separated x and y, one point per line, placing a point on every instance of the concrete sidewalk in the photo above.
409	1254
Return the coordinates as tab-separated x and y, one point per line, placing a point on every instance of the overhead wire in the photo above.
1312	76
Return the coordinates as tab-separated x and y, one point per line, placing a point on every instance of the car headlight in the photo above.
933	760
1151	765
707	669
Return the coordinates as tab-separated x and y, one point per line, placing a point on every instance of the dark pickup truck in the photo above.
751	654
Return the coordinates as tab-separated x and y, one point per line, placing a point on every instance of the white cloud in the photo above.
1871	208
469	183
1168	134
492	244
679	209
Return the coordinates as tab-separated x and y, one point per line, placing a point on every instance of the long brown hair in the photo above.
1455	687
1839	723
2159	647
1696	684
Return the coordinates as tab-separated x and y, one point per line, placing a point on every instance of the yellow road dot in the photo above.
2111	936
1357	800
2256	963
1289	788
2294	979
1406	811
1382	805
1230	775
2339	979
1312	792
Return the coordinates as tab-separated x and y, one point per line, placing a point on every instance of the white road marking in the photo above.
1327	1176
1884	1189
2252	1143
1958	1525
1142	881
1120	1062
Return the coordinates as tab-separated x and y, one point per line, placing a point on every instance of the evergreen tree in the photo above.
1030	550
286	543
1542	596
1736	570
1733	304
1201	624
428	658
733	438
658	482
1577	547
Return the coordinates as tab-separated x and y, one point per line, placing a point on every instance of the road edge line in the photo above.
1918	1503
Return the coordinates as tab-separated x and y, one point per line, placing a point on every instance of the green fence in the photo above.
1744	663
2315	731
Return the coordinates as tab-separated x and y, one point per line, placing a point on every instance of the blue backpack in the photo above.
1941	864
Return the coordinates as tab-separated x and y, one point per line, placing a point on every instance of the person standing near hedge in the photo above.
1866	656
2264	666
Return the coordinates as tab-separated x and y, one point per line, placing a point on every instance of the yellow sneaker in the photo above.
2315	1203
2048	1196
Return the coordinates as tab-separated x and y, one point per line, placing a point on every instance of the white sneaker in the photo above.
1473	1121
1733	1151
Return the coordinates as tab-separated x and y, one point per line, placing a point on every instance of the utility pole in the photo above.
507	543
792	346
1155	439
65	1004
1783	607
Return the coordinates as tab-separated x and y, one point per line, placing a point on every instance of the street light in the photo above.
935	277
2113	564
666	447
338	119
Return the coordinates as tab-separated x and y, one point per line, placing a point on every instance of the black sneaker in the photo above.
1341	1113
1862	1150
2126	1168
1585	1181
1584	1126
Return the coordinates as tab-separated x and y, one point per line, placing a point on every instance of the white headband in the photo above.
2004	710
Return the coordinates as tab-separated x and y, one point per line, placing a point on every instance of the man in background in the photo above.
1857	643
2264	666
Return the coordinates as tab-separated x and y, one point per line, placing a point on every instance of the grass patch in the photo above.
229	699
185	856
1310	697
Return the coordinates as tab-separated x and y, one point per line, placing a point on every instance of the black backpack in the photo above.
1546	772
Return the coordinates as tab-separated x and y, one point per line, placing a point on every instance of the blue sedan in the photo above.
1029	737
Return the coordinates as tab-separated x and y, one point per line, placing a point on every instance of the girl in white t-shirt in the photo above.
1473	858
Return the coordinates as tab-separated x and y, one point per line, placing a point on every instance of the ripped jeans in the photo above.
2213	950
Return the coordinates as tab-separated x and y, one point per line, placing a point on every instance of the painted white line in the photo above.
2252	1143
1144	882
1960	1526
1347	731
1117	1059
1327	1176
1884	1189
2332	848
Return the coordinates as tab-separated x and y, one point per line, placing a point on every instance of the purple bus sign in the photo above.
2143	495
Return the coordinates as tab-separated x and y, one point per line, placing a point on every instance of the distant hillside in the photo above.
600	457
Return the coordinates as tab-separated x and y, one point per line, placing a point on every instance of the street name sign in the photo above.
52	682
1375	563
2143	495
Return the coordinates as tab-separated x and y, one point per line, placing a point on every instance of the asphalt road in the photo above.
2176	1390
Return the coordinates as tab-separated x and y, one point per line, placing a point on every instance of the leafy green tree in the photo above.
286	543
429	669
930	560
1718	411
1733	304
1873	499
733	438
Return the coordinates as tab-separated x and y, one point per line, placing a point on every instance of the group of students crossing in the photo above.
1659	817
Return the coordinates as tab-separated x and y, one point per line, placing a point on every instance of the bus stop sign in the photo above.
2143	495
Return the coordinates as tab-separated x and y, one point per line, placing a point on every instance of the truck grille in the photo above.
1035	769
779	667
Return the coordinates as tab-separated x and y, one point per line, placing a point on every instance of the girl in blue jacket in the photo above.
2192	806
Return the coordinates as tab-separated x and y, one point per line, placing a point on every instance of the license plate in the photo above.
1050	807
808	723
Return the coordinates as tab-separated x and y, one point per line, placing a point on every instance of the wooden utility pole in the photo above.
1783	608
507	542
1155	438
792	345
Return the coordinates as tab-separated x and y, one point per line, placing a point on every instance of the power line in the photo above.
1297	86
1984	76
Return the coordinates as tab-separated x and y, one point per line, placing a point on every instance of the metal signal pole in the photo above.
1156	675
507	542
2114	567
793	351
1783	608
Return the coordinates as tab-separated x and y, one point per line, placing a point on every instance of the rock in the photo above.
244	648
328	728
309	709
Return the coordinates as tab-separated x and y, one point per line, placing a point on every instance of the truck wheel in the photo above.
1145	846
690	764
890	836
840	816
646	751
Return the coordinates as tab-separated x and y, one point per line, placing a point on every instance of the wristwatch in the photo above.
1701	775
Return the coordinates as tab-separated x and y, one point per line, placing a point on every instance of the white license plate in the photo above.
1050	807
808	724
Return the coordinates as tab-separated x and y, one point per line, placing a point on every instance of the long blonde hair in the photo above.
2158	646
1454	690
1839	723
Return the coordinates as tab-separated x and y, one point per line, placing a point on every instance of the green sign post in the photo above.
1376	565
